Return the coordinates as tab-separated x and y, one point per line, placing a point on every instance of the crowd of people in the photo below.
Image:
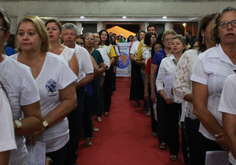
57	81
183	77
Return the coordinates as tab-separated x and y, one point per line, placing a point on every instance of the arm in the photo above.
147	76
68	103
74	65
102	68
4	157
229	122
86	80
112	60
200	97
131	56
140	62
32	121
152	81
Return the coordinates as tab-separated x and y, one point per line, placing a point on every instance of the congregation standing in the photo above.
69	80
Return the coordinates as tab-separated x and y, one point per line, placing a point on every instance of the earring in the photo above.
203	40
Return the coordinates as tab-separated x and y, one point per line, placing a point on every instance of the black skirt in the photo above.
137	86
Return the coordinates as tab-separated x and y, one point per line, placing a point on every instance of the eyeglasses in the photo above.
158	48
79	43
89	39
2	28
153	37
225	24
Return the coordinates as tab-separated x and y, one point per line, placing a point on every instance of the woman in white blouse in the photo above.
54	28
211	70
165	78
55	82
182	89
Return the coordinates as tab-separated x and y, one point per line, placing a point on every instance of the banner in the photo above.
124	68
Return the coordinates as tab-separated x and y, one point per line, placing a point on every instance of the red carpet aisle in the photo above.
124	138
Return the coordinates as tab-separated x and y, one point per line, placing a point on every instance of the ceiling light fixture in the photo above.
124	17
164	17
82	17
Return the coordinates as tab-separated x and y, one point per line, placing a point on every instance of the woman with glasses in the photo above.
182	89
209	75
54	28
97	92
142	57
80	40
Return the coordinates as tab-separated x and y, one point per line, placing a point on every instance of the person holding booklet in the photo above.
165	78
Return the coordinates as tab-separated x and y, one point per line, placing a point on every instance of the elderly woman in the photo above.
23	96
54	28
164	82
183	89
156	61
209	75
57	88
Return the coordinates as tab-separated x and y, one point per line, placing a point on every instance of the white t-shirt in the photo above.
7	139
22	90
105	57
55	75
67	54
134	48
228	103
212	68
85	62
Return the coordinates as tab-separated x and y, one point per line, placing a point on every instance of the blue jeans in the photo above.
75	123
194	140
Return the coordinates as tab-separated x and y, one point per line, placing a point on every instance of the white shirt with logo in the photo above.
55	75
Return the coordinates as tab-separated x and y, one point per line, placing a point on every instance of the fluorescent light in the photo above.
124	17
164	17
184	24
81	17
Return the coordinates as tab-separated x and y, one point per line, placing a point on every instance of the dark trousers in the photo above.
107	88
75	124
162	121
184	144
153	120
209	145
58	157
194	140
173	113
87	123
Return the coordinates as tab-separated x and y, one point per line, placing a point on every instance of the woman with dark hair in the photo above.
10	47
210	72
130	39
107	87
183	89
147	88
142	57
80	40
137	86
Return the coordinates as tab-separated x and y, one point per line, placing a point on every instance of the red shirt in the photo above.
148	69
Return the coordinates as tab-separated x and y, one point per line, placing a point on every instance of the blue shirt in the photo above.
89	89
157	58
9	51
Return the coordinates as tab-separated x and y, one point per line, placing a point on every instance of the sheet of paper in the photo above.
168	82
217	157
37	153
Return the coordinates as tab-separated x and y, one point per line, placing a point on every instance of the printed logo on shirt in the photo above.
51	88
123	60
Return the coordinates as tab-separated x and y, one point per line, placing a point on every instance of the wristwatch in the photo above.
18	124
45	124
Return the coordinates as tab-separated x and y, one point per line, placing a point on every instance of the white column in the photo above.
168	26
145	25
79	27
100	26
